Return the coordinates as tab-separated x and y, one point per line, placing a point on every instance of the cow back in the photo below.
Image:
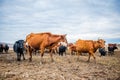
43	39
35	40
89	45
84	45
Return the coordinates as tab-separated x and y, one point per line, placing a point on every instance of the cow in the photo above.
18	48
41	41
89	46
72	49
4	47
62	48
1	48
111	48
54	49
102	51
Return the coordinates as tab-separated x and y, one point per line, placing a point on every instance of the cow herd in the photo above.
4	48
56	44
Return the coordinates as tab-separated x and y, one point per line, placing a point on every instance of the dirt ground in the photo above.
64	68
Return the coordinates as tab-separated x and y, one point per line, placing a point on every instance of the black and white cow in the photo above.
62	48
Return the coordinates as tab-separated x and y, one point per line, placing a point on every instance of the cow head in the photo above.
63	38
101	43
55	39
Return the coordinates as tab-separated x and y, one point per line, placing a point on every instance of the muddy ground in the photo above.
64	68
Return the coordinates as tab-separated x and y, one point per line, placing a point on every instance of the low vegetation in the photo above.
63	68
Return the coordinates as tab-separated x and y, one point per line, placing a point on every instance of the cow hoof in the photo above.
18	59
88	61
30	60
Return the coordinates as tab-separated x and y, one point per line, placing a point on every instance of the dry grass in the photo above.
64	68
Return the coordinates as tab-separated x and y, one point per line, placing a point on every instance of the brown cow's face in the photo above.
63	38
101	43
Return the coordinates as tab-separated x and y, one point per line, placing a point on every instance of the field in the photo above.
64	68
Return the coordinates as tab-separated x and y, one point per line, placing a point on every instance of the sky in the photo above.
79	19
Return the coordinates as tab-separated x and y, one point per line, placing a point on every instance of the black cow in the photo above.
4	47
102	51
111	49
62	49
19	49
1	48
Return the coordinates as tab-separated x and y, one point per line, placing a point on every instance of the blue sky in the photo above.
79	19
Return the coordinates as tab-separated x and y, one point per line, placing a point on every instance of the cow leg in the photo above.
23	56
91	53
18	56
42	53
110	53
78	54
55	51
89	57
41	59
94	57
61	53
30	54
113	53
30	58
65	53
70	51
51	55
51	50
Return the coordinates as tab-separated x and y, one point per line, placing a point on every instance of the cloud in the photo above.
86	19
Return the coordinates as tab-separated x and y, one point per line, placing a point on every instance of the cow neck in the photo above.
53	40
96	45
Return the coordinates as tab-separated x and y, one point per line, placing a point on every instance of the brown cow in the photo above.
54	49
40	41
72	48
89	46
